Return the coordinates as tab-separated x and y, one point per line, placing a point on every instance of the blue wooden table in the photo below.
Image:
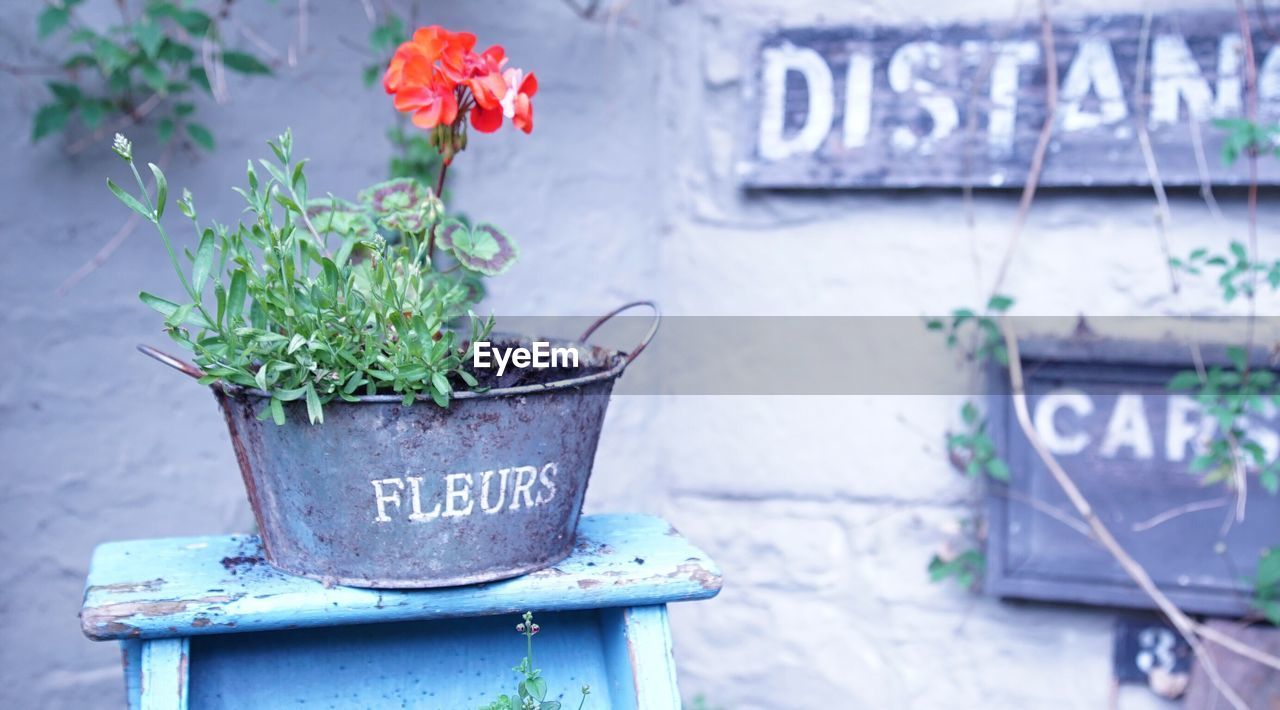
204	622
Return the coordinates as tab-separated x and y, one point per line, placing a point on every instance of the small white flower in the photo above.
122	147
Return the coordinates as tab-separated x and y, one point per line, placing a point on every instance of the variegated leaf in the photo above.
393	196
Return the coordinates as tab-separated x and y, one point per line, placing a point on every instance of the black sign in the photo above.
964	105
1146	643
1104	410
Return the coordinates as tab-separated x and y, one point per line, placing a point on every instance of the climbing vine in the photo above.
152	66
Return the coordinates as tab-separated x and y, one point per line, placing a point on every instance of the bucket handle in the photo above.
648	337
178	364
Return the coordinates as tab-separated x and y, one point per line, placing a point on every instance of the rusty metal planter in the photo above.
391	496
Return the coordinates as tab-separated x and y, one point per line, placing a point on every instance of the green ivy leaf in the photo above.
244	63
50	118
999	303
149	37
200	135
50	20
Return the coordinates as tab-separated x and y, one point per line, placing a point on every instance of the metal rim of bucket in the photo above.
621	361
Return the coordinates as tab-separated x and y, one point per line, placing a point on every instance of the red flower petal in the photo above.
529	86
524	113
486	120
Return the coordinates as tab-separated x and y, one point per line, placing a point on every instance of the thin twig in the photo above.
1052	511
302	33
1163	216
101	256
1172	513
1202	167
1042	144
1240	478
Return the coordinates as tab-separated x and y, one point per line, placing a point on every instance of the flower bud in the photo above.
534	629
520	628
123	147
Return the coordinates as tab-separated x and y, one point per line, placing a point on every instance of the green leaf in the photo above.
168	309
197	75
129	200
998	469
164	129
92	113
162	189
149	37
1185	380
50	118
203	261
154	77
537	687
244	63
999	303
235	297
200	135
64	92
277	411
1238	357
314	411
50	20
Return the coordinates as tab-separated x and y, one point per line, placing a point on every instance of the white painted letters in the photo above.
454	495
778	62
1048	406
1093	70
903	78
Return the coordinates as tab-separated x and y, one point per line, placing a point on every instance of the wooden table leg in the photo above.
642	670
163	674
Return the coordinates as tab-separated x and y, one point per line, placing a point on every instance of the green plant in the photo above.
1266	585
986	342
965	568
531	693
146	65
323	299
973	451
1230	396
1238	273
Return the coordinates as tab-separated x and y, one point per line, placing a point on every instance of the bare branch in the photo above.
1190	629
1042	145
1163	216
1179	511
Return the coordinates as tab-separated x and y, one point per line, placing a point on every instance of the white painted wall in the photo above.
822	511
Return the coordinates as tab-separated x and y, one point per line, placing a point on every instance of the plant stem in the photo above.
431	237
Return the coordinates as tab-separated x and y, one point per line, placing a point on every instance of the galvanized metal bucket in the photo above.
391	496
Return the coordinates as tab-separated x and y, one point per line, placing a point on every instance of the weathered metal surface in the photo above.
909	106
217	585
1103	408
386	495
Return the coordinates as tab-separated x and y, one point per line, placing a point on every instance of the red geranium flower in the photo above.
439	79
